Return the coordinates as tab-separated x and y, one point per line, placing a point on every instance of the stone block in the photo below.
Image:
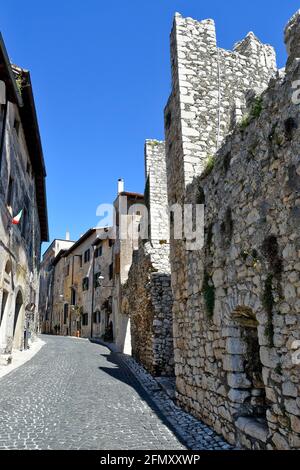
233	363
238	381
253	428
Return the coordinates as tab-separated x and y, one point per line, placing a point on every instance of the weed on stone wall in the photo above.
255	112
268	304
208	291
209	166
270	250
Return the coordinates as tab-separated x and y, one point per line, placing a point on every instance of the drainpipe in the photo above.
2	141
70	313
93	292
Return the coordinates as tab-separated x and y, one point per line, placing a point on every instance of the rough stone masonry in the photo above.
147	295
232	143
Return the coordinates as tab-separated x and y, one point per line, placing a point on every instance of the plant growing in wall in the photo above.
209	166
268	304
255	112
208	291
19	82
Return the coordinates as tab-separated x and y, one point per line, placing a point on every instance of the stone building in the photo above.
147	295
128	208
232	144
81	293
47	282
22	188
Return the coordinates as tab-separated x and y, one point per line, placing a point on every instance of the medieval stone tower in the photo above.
232	144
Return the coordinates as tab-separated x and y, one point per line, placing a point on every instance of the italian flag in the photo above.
17	218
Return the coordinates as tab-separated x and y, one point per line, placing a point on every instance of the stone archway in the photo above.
3	305
243	325
6	307
18	326
250	379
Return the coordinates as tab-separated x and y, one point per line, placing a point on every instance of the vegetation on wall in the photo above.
268	304
255	112
208	291
270	250
209	166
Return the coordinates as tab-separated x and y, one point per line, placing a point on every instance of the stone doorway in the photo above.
18	331
3	305
252	385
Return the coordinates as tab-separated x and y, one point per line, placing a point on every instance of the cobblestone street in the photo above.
74	395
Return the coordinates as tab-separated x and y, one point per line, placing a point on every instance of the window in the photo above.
9	199
66	311
111	271
85	319
87	256
97	317
97	280
73	296
98	251
110	242
80	261
85	283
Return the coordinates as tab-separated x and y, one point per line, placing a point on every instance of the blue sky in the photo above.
101	77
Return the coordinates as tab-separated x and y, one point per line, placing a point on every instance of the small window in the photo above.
111	242
87	256
97	317
98	251
111	271
85	319
85	283
97	280
66	312
80	261
73	296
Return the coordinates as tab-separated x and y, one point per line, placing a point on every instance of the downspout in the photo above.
93	293
70	323
2	142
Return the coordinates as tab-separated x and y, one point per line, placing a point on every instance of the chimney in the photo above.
67	235
120	185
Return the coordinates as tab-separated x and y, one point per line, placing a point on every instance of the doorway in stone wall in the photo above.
3	305
255	403
18	331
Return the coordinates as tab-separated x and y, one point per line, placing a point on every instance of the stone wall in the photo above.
236	302
147	295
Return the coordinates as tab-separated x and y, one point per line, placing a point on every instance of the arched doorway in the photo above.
3	305
18	330
6	308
